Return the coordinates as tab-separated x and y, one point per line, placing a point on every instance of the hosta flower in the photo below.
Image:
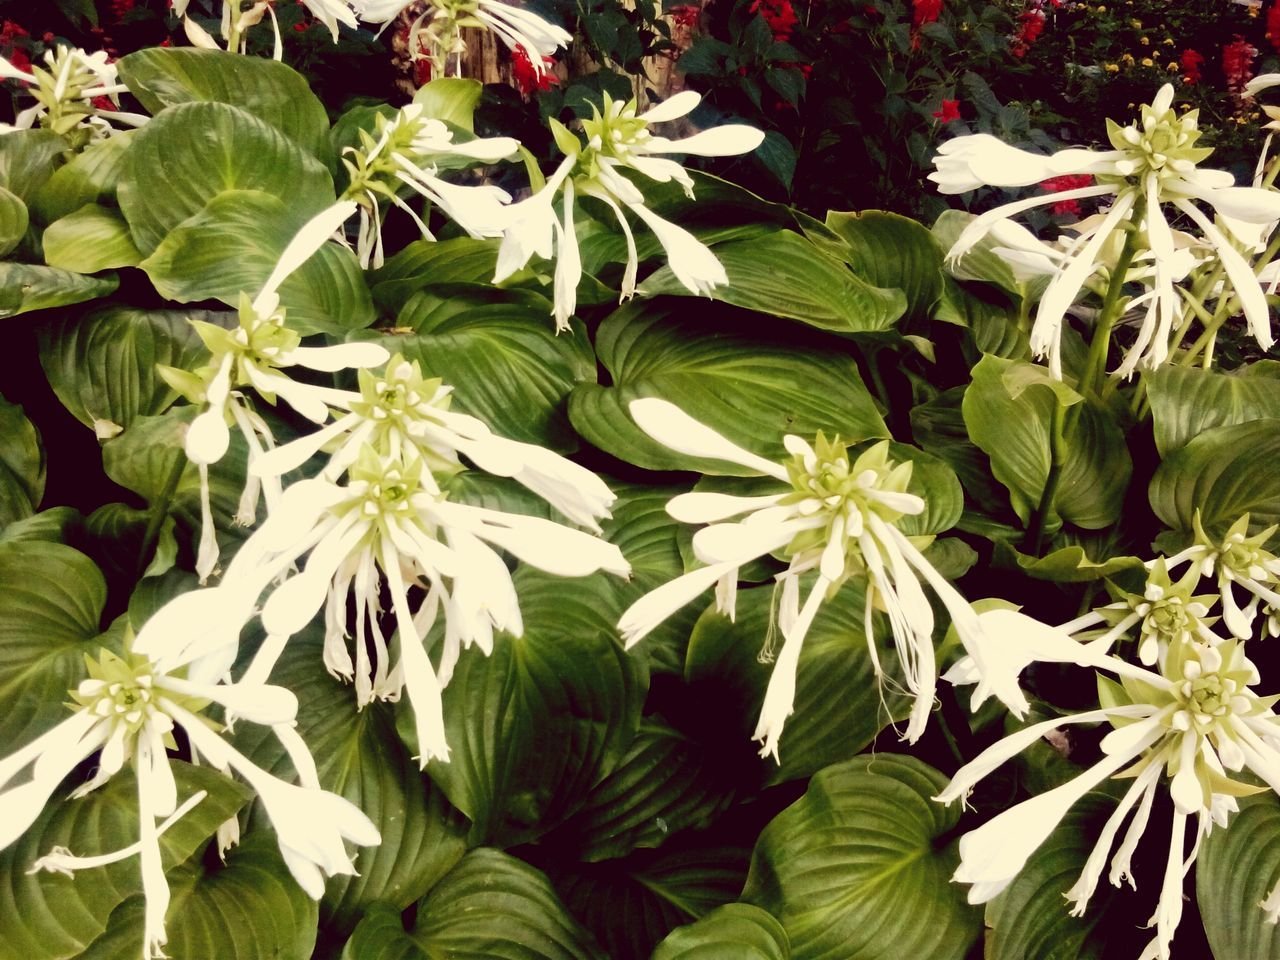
438	28
1236	558
391	523
255	354
833	516
65	91
1193	722
1153	164
409	151
619	144
127	710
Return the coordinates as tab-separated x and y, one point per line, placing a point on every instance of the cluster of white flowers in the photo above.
69	91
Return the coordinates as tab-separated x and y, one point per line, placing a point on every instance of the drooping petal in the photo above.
647	613
306	242
674	428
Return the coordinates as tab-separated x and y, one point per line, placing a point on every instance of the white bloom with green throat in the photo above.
1235	559
64	90
832	517
127	710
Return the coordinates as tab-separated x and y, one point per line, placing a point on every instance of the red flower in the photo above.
1069	182
1030	26
925	11
120	7
950	111
1191	60
685	15
526	77
780	15
1273	25
1237	63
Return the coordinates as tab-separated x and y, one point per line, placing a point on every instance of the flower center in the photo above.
1160	143
119	690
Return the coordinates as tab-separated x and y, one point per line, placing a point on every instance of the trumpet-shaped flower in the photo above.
254	355
1153	163
127	709
833	516
391	523
410	150
65	90
1185	727
1236	558
620	143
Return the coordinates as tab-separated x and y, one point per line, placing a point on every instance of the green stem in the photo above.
159	510
1057	457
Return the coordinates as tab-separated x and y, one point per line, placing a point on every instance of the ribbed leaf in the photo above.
232	245
1237	869
853	871
102	364
13	220
736	931
91	177
1187	401
751	388
26	287
49	916
892	251
27	159
359	757
21	465
92	238
429	262
197	150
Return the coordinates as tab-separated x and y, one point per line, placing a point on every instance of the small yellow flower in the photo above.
1171	66
1148	62
1111	68
1136	24
1145	41
1167	41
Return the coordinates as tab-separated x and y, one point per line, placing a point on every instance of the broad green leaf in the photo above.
938	426
91	239
53	599
854	871
1030	920
451	100
991	319
567	682
13	220
192	152
493	905
359	757
49	916
736	931
52	526
752	388
1008	411
1187	401
1070	564
500	351
1237	869
27	159
892	251
91	177
21	465
273	92
839	707
980	263
631	903
249	908
666	782
783	274
425	263
232	245
26	287
1223	473
936	483
380	935
102	364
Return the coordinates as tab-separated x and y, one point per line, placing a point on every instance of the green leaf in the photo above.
102	364
1070	564
853	869
25	288
1187	401
786	275
980	262
232	245
273	92
839	707
21	465
53	599
49	916
736	931
27	159
192	152
500	350
359	757
246	909
91	239
1030	919
13	220
892	251
452	100
752	388
52	526
429	262
1008	410
1224	473
91	177
665	783
1237	869
567	681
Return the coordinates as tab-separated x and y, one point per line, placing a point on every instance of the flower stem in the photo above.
159	510
1057	456
1096	366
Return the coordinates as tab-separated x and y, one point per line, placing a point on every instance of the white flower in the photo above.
1153	163
618	140
64	91
1236	558
830	516
1195	720
128	709
391	521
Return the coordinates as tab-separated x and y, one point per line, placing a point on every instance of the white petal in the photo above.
357	355
647	613
699	507
674	428
728	140
673	107
690	259
309	239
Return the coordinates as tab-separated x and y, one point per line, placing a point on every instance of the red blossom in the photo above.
1237	63
526	77
120	7
1063	208
685	15
1190	61
950	111
1273	25
925	11
1030	26
780	15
